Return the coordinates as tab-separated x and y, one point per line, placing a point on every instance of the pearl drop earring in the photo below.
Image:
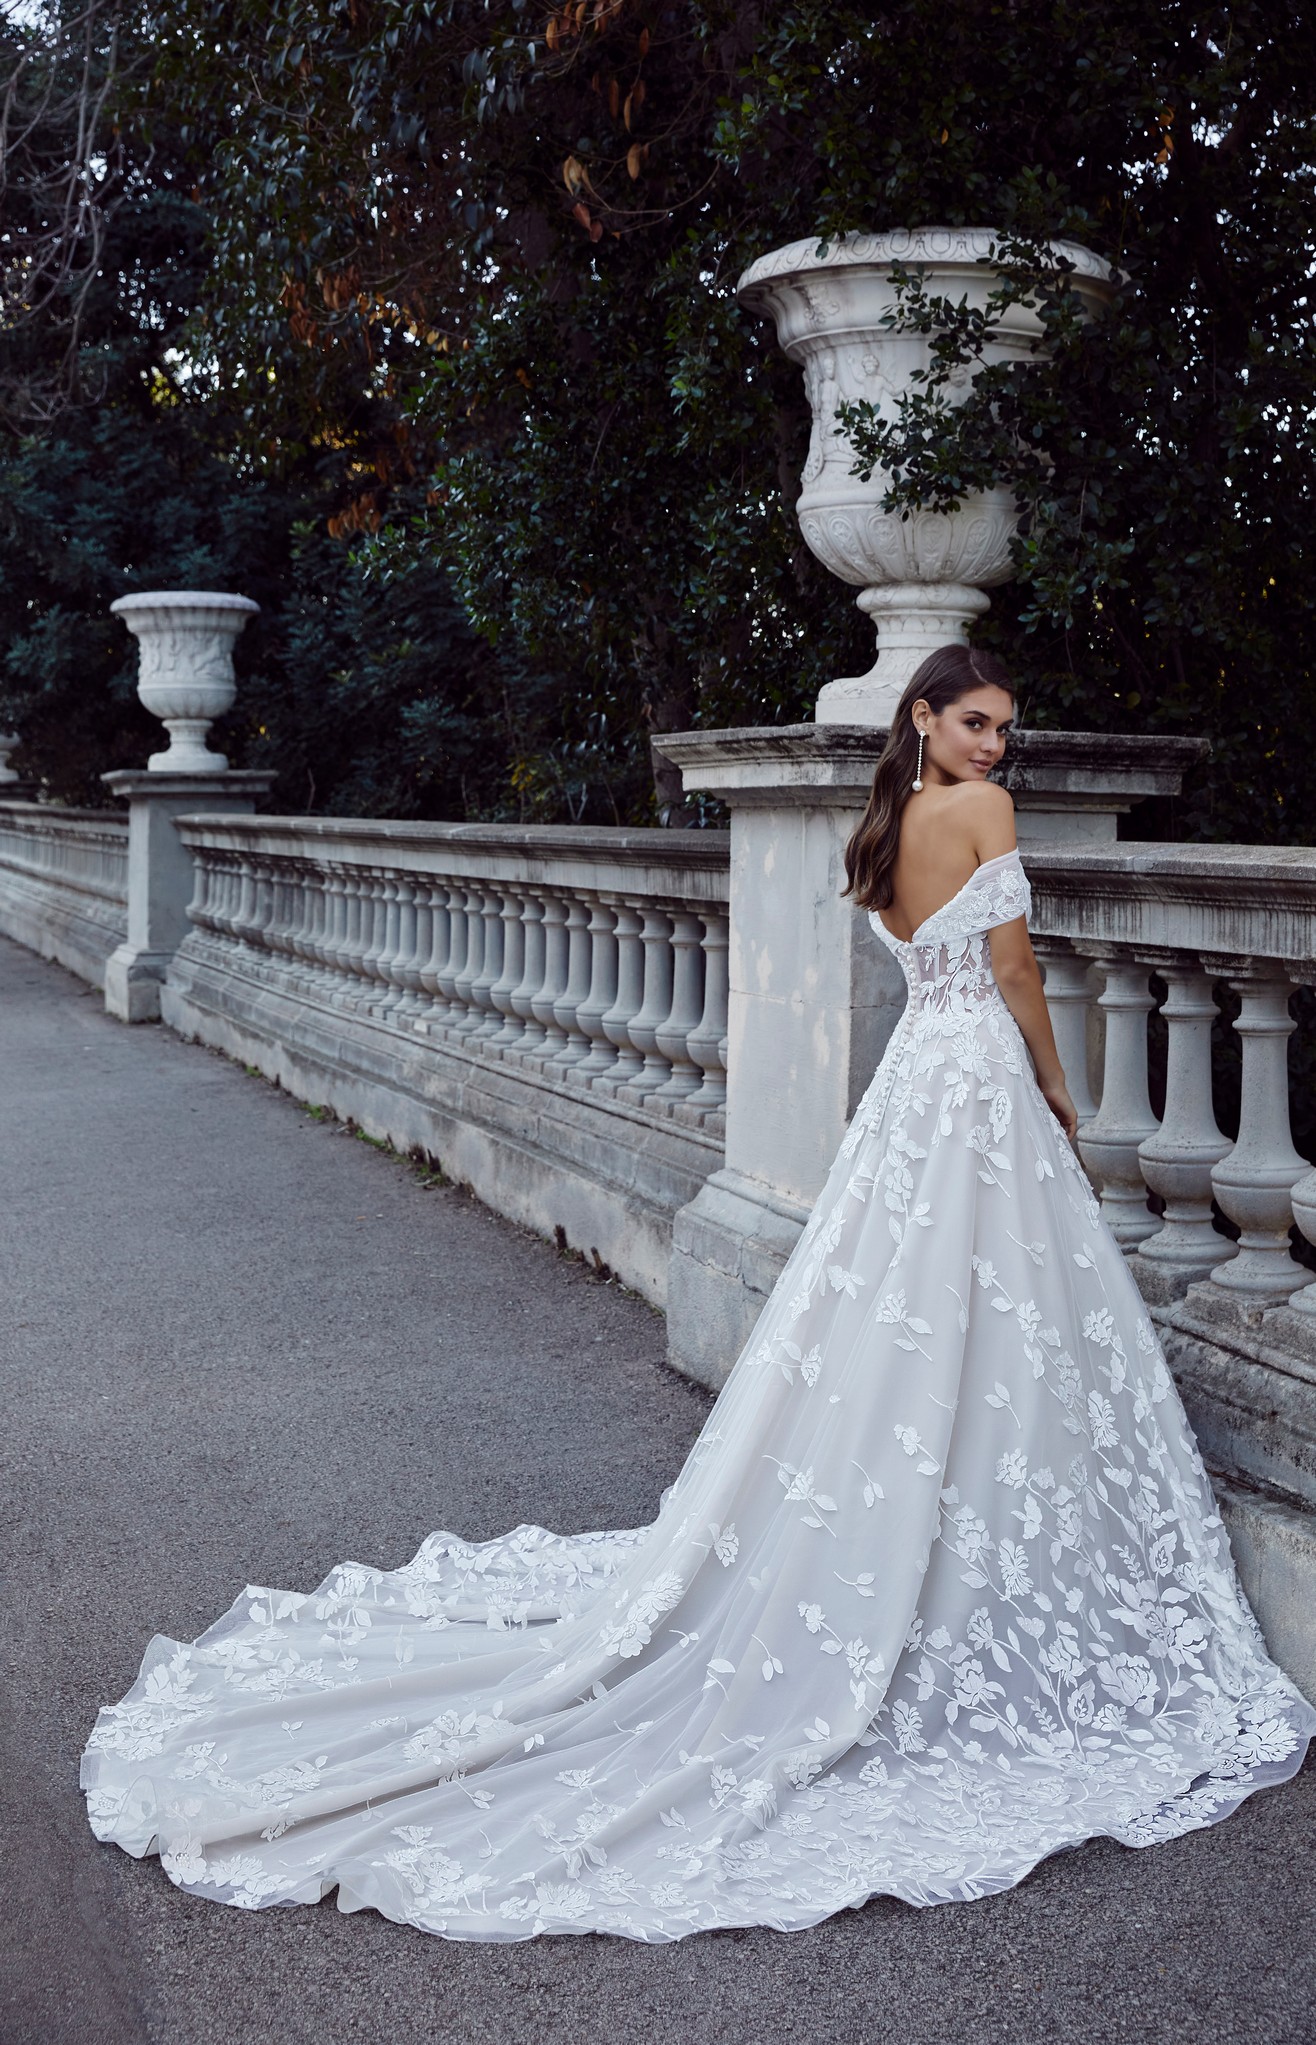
918	771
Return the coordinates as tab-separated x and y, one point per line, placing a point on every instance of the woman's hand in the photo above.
1056	1095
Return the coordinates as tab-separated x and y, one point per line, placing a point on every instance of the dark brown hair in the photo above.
941	680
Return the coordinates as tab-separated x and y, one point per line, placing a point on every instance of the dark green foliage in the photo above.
471	298
364	693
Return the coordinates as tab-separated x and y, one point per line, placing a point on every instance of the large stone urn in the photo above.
186	668
186	677
923	575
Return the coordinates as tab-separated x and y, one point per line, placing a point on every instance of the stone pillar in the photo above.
160	874
813	997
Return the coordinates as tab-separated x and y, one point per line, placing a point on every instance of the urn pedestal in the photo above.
160	874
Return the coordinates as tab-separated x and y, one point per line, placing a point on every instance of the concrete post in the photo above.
160	874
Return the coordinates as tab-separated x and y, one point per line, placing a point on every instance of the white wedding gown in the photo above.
941	1589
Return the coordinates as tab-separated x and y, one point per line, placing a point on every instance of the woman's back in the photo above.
944	834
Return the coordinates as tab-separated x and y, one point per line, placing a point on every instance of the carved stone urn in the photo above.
923	575
8	744
186	675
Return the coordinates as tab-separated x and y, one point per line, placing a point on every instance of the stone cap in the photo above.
182	599
947	247
784	764
1244	901
246	784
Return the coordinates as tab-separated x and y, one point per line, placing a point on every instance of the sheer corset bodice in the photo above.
947	962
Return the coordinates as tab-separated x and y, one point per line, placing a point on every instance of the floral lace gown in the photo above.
941	1589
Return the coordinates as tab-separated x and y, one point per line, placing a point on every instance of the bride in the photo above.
940	1590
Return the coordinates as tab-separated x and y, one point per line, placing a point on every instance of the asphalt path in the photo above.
239	1344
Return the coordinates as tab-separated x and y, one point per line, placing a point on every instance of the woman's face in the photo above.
968	739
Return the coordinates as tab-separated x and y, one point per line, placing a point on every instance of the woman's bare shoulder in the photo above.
982	799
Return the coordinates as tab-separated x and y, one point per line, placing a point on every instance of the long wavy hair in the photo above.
941	680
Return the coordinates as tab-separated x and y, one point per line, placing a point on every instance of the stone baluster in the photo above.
327	940
276	931
432	1003
1177	1161
230	892
313	902
387	992
488	1018
349	938
205	888
227	895
553	983
380	902
531	1042
264	873
656	938
309	908
415	940
1109	1143
1254	1181
245	907
227	892
672	1037
513	969
602	935
1303	1301
399	944
1068	999
467	1016
616	1022
705	1041
363	942
576	1045
344	939
448	969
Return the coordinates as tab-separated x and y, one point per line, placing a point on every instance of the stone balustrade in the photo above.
1195	917
1210	1224
544	1013
542	1009
64	883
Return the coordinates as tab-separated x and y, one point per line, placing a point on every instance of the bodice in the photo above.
947	962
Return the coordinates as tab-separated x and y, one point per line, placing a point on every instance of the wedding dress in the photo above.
940	1590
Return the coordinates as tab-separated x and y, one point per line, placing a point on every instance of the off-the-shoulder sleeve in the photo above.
999	891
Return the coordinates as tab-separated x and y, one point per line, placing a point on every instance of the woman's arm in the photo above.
1019	978
1014	963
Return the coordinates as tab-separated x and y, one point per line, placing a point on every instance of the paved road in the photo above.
239	1345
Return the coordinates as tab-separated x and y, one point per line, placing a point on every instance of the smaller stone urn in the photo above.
922	575
8	744
186	673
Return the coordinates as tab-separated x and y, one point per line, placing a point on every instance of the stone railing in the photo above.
542	1009
64	883
1123	933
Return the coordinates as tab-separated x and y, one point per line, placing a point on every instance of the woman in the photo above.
940	1590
